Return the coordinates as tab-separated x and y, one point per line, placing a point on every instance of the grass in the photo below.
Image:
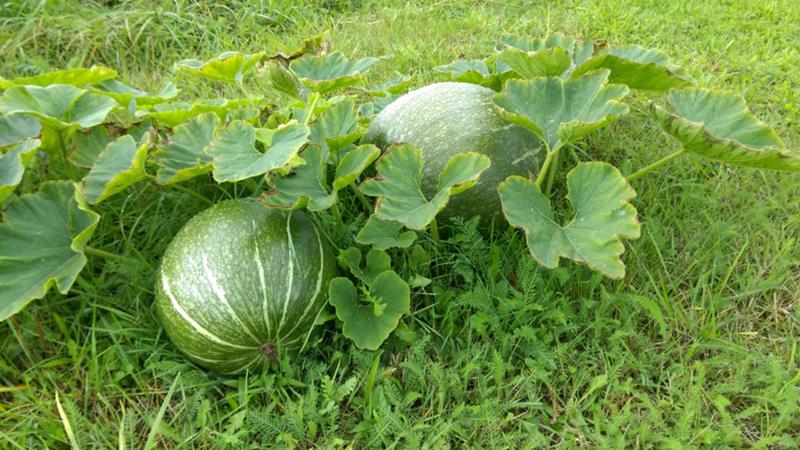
697	347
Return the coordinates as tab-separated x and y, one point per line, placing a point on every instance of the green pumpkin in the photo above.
241	284
444	119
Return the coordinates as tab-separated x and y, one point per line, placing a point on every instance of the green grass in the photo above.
697	347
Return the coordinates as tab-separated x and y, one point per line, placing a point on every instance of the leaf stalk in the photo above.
647	169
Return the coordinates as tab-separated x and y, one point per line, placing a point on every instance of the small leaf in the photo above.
174	114
474	72
124	94
284	80
337	122
78	77
330	72
16	128
305	187
311	46
388	295
599	194
580	51
353	164
562	111
235	156
548	62
228	66
719	126
12	166
41	244
87	146
59	106
376	262
399	184
120	165
384	234
639	68
183	156
397	83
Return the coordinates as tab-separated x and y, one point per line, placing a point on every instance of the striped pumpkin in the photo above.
241	284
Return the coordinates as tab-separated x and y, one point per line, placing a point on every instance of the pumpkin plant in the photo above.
243	283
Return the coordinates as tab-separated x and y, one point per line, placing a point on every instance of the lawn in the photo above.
695	348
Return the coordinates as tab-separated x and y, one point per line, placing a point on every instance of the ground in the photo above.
697	347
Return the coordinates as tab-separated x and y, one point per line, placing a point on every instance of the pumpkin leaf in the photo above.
124	94
229	67
384	234
547	62
369	317
599	195
15	128
310	46
474	72
330	72
12	165
118	166
397	83
174	114
78	77
562	111
337	123
399	184
305	187
579	51
235	156
87	146
284	80
183	156
719	126
638	68
59	106
353	164
42	238
376	262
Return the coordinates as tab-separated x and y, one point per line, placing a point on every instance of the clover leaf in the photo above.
639	68
599	195
183	156
330	72
562	111
719	126
12	165
78	77
384	234
59	106
42	237
369	317
15	128
229	67
235	156
118	166
399	184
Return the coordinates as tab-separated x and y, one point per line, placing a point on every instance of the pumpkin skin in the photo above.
444	119
241	284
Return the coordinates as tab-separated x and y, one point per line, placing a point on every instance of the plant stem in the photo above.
62	144
104	254
647	169
336	213
434	230
552	172
314	100
545	166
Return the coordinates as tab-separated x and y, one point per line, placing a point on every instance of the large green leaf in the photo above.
353	164
12	166
78	77
599	195
719	126
332	71
562	111
16	128
548	62
376	262
235	156
118	166
124	94
59	106
336	125
42	238
370	317
639	68
174	114
87	146
384	234
399	184
228	66
183	156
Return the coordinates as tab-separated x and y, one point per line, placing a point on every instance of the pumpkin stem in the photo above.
270	350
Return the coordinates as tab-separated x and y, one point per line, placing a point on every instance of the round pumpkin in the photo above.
444	119
241	284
